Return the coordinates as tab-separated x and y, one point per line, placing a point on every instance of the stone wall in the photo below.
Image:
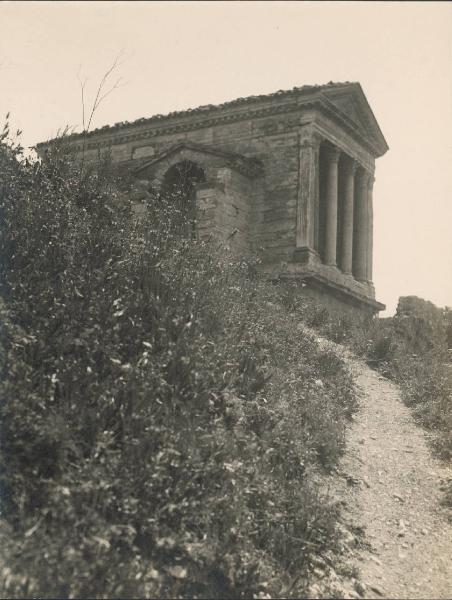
264	211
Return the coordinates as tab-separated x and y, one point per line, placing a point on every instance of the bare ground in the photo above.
397	539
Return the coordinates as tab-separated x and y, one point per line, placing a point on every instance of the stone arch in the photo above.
179	187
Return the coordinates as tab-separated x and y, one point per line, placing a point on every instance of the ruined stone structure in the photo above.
287	176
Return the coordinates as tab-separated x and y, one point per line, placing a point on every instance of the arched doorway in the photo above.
179	190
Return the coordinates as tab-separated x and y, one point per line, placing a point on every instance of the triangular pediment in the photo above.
349	98
349	105
200	154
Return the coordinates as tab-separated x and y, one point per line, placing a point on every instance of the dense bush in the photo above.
427	386
411	349
161	414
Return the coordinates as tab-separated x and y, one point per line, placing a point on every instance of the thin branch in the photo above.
82	89
117	85
99	98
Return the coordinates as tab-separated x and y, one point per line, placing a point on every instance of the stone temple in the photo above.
287	176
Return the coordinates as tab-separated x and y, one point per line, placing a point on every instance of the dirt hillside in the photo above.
398	536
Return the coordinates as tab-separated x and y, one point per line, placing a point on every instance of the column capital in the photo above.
333	153
350	166
362	176
370	180
367	177
312	140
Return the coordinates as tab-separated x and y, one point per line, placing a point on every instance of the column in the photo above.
361	229
308	193
347	217
332	155
370	228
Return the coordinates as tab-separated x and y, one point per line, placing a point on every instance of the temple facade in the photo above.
287	176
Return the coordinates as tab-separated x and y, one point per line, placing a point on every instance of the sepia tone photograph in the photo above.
226	299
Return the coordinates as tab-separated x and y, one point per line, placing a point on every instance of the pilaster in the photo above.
307	196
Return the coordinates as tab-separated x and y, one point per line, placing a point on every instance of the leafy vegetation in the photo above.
411	348
163	418
411	351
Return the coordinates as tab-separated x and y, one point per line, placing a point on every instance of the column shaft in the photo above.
370	228
361	229
331	206
347	218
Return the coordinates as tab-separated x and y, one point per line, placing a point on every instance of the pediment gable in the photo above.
201	155
350	100
348	104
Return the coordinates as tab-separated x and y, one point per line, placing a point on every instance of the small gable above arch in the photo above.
209	159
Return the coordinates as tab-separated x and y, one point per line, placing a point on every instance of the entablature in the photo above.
319	98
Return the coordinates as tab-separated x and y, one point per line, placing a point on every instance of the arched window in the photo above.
179	189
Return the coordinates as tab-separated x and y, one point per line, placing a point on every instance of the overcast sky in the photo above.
179	55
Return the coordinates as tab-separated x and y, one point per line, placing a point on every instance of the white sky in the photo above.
183	54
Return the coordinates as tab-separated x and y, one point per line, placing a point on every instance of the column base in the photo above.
306	256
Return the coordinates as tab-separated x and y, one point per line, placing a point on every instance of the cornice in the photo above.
190	124
320	103
209	109
282	102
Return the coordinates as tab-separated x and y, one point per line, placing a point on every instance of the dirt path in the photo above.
397	535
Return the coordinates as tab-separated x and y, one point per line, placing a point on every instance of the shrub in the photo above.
426	383
411	349
161	414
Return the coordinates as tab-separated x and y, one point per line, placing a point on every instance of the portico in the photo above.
335	212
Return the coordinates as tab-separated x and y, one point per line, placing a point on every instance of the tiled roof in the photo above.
211	107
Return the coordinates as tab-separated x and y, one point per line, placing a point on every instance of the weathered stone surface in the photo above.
277	179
